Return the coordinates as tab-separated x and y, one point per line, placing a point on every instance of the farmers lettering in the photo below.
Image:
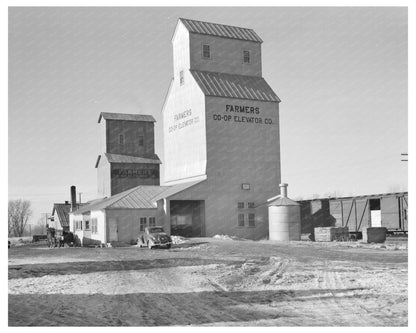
183	119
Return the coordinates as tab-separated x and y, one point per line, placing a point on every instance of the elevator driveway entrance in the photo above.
187	218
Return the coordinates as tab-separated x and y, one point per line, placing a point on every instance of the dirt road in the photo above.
211	282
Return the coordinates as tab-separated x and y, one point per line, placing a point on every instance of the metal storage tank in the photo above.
284	217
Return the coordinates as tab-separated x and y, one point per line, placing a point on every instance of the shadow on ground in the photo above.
161	309
38	270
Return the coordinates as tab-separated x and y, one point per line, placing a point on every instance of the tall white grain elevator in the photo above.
221	133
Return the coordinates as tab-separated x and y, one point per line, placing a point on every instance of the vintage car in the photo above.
154	237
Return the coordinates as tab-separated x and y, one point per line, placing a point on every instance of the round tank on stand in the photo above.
284	217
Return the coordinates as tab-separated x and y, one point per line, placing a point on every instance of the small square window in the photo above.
121	139
181	78
250	204
206	51
241	220
251	220
246	57
240	205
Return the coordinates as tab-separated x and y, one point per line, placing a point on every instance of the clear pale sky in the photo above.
341	74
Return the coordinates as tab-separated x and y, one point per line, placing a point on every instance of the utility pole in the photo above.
404	157
79	193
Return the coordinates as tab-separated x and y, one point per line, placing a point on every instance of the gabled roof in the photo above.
220	30
62	210
126	116
234	86
139	197
118	158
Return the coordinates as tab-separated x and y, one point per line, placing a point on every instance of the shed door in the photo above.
112	226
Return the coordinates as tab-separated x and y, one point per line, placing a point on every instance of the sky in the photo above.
341	74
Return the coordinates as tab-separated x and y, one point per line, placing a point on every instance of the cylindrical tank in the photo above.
284	217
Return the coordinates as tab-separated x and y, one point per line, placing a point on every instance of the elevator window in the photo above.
206	51
246	57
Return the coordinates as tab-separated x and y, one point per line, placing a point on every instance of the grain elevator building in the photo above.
221	131
127	156
221	147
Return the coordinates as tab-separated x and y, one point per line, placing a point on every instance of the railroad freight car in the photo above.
389	210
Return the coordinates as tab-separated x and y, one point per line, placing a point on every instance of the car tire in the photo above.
168	246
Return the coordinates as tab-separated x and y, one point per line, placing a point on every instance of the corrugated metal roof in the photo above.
126	116
220	30
118	158
234	86
134	198
62	210
140	197
174	189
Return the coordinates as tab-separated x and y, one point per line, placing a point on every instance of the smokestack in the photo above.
73	198
283	190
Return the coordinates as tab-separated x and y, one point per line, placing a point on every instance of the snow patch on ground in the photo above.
227	237
179	240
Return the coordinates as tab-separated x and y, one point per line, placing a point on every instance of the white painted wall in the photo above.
184	131
101	229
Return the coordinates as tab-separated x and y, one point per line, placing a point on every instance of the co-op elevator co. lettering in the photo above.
239	118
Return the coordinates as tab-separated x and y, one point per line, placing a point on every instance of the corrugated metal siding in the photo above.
117	158
234	86
221	30
126	116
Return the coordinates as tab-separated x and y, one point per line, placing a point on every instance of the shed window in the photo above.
181	78
121	139
206	51
251	220
152	221
241	220
246	57
240	205
143	222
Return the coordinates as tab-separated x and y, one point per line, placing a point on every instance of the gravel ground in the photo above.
211	282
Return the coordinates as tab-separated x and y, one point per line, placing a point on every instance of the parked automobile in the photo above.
154	237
